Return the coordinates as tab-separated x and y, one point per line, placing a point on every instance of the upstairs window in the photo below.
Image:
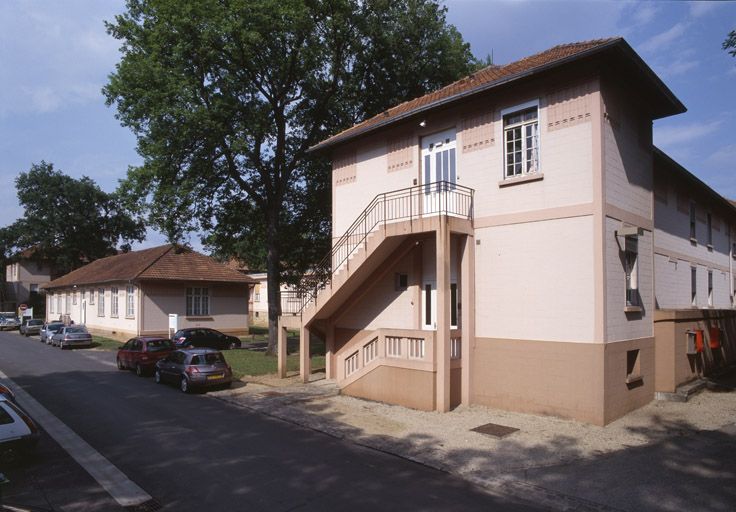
521	138
693	232
710	288
709	232
694	286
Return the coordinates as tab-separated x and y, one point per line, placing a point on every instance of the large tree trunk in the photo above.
273	278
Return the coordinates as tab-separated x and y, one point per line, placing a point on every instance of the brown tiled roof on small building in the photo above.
166	262
493	76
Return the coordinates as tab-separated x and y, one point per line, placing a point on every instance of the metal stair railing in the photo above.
431	199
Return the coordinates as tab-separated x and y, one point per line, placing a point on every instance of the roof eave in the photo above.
677	106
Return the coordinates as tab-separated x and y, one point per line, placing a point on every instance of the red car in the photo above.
141	353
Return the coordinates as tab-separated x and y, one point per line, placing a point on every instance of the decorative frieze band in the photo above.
477	132
569	106
344	169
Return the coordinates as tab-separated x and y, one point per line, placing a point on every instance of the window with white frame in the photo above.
74	298
129	302
521	138
100	302
709	224
631	268
114	297
51	303
92	297
694	286
198	301
68	303
58	303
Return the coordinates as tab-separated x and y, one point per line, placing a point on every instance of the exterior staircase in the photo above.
374	236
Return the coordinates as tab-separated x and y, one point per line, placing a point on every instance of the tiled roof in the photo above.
482	80
166	262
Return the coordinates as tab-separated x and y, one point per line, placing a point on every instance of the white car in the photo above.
18	432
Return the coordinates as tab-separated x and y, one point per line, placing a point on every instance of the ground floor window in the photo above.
198	301
114	298
101	302
631	257
129	302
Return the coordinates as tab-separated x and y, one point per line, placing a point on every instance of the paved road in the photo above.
191	451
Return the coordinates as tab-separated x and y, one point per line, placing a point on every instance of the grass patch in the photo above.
105	343
248	362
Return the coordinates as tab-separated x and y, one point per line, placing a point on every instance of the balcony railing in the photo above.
420	201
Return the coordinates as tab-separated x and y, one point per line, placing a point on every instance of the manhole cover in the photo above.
492	429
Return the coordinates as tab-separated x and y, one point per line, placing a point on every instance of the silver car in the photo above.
194	368
48	330
72	336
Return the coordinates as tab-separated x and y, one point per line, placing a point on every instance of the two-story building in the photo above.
511	255
23	280
135	293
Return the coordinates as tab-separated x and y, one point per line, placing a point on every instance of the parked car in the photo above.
32	326
18	432
141	353
71	336
194	368
48	330
7	393
9	322
201	337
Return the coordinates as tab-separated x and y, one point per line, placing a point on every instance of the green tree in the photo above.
730	43
226	97
68	222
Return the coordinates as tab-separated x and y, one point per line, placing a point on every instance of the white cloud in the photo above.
664	39
645	13
677	134
698	9
676	67
724	156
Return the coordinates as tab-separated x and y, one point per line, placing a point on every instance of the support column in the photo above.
467	314
442	340
305	363
281	350
330	351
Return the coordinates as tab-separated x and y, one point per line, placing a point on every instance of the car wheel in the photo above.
184	385
138	370
120	365
157	377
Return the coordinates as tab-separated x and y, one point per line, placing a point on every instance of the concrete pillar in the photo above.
330	352
442	341
467	314
281	350
305	363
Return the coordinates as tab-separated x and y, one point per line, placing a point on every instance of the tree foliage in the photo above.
730	43
67	222
226	97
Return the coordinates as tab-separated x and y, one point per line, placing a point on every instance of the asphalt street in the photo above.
192	451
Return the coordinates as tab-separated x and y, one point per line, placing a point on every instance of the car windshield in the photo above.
55	327
35	322
210	358
159	345
76	330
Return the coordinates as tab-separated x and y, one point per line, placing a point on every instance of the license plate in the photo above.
215	377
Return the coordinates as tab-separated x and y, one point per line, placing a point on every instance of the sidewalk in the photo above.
665	456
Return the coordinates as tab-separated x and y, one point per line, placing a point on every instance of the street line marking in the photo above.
120	487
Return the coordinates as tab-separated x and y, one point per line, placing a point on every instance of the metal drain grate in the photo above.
492	429
148	506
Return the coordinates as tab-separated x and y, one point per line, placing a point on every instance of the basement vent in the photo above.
491	429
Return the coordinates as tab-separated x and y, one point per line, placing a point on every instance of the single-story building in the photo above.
136	293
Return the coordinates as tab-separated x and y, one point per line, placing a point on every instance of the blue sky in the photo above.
56	57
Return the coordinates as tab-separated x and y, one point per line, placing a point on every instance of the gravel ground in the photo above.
445	440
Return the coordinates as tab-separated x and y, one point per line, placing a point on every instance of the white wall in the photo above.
534	281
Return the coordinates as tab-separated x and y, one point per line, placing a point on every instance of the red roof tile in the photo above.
166	262
482	80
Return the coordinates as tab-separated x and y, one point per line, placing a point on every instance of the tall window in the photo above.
58	303
453	304
198	301
74	298
631	258
92	297
521	136
114	297
51	303
693	233
710	288
694	286
129	302
427	304
100	302
709	220
68	303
